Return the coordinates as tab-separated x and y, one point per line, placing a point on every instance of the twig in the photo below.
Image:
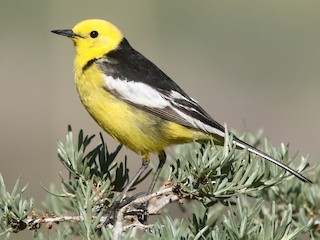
139	225
167	196
36	223
159	199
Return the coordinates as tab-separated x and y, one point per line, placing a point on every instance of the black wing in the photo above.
127	64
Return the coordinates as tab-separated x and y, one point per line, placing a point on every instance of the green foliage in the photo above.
213	174
14	208
241	196
243	221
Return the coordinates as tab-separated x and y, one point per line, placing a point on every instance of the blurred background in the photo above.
251	64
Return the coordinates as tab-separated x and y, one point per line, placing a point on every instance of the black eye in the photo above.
94	34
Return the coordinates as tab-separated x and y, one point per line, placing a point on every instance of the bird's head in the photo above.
92	39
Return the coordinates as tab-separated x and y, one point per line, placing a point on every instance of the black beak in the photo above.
66	32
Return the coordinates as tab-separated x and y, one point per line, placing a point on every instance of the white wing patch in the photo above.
136	92
144	95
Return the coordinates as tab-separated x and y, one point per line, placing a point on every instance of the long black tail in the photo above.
244	145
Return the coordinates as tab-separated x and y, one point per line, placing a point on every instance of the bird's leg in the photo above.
145	164
162	160
119	201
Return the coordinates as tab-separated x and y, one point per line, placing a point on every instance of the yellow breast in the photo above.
141	131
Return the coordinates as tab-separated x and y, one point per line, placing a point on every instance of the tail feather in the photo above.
251	149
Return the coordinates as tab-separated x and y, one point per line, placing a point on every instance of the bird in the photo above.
136	102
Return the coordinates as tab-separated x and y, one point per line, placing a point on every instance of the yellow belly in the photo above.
141	131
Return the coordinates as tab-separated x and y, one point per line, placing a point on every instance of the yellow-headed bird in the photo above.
134	101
